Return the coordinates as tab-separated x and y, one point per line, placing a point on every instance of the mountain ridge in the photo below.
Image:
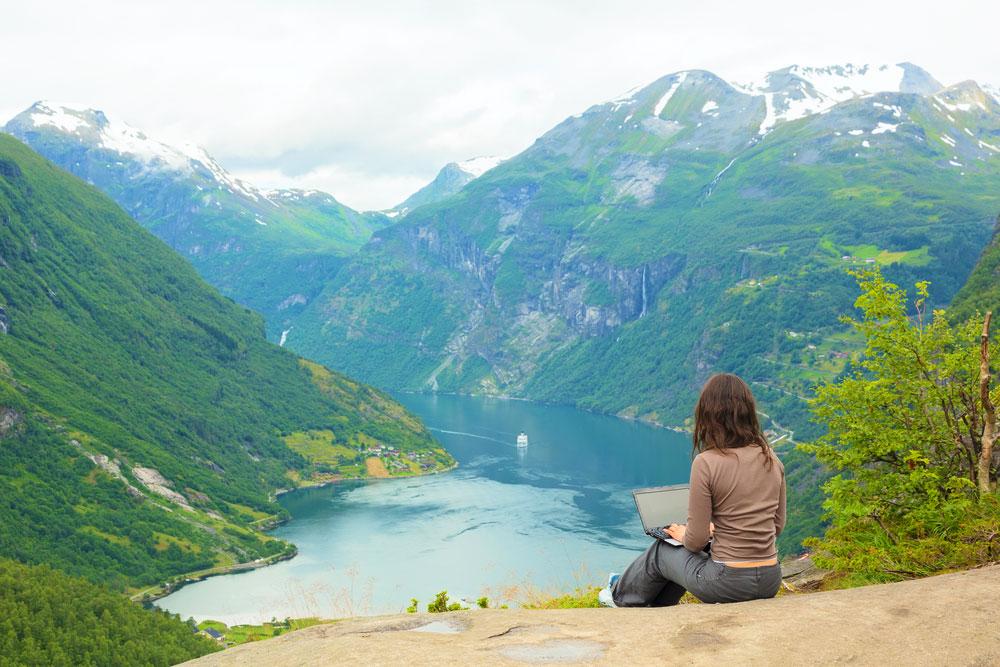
267	249
542	277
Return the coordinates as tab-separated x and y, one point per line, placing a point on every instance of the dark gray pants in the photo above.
659	577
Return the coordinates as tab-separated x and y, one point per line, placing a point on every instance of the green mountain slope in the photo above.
687	228
269	250
982	291
52	619
145	421
453	177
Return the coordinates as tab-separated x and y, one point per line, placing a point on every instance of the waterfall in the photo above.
643	312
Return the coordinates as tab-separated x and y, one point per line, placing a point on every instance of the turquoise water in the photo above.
506	523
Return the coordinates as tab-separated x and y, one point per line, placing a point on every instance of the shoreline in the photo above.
162	590
506	397
652	423
277	493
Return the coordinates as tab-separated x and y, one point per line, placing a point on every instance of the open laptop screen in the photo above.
662	506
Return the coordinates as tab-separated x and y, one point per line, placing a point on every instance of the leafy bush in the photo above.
440	604
905	435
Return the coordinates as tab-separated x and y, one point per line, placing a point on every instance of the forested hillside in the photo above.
145	422
982	291
50	619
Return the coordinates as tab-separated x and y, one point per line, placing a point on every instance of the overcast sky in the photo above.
367	100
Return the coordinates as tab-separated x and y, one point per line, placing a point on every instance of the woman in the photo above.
736	500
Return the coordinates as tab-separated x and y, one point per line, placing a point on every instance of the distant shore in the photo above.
330	482
166	588
640	419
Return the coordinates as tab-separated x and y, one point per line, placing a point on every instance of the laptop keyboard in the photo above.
659	534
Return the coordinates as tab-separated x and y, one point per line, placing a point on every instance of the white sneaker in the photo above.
604	597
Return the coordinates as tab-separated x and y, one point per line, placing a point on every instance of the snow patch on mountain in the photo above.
882	128
662	102
58	116
960	106
796	92
896	110
770	117
117	136
122	138
478	166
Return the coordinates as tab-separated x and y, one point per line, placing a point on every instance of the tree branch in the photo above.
990	416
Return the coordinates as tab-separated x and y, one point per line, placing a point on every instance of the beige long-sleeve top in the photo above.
743	497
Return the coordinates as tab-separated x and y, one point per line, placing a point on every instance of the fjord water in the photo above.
505	523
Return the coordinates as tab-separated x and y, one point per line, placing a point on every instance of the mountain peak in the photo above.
69	118
798	91
965	96
94	129
450	179
843	82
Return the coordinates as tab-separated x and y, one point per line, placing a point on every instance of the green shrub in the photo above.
904	439
440	604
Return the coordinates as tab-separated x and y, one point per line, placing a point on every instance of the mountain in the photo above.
270	250
688	227
982	291
452	178
145	421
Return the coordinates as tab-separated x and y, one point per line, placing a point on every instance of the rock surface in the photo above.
934	621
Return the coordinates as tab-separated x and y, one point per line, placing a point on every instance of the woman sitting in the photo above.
736	502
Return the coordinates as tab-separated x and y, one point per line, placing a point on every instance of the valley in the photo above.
144	418
239	401
631	251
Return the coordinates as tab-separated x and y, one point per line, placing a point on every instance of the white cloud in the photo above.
371	98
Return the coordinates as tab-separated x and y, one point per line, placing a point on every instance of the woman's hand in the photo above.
676	531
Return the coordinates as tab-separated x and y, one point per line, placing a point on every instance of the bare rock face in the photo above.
9	419
4	321
801	575
160	485
873	625
113	468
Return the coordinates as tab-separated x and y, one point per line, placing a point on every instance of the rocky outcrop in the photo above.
160	485
592	296
4	321
113	468
629	292
9	419
941	620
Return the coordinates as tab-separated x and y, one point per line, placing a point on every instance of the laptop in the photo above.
661	506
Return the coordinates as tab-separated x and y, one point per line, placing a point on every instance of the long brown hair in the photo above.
726	417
